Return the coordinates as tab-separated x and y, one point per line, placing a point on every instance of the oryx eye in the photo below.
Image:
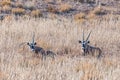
88	41
80	41
28	44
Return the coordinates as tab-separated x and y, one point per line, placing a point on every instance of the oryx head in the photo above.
32	44
84	42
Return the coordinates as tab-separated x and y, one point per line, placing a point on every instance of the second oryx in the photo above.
88	49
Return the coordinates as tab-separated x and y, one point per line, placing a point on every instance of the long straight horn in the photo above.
88	36
33	38
23	43
83	35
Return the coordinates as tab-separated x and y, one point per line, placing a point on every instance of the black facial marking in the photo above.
27	43
88	41
79	41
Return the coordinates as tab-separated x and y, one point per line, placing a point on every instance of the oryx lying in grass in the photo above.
39	50
87	49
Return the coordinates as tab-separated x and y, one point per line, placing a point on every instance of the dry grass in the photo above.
82	1
5	2
18	4
29	5
55	35
51	9
18	11
8	18
91	15
49	1
80	17
98	11
36	13
52	15
6	8
64	7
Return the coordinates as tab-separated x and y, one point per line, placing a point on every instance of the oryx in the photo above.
87	49
39	50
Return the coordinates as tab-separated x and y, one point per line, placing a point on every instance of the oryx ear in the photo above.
80	41
35	43
28	43
88	41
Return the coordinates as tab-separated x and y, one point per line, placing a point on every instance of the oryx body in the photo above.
39	50
87	49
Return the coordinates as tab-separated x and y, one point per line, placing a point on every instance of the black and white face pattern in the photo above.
84	44
32	46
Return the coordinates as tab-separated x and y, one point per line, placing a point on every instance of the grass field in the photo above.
60	35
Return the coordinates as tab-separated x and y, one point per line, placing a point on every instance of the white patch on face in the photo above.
33	49
82	49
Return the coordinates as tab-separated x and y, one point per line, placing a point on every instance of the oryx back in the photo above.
94	51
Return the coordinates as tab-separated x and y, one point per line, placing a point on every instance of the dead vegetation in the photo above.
60	8
60	35
5	2
18	11
36	13
65	7
80	17
49	35
51	9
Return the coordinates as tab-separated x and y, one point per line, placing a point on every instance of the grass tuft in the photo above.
5	2
36	13
18	11
64	7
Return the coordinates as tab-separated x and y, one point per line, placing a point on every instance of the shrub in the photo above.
65	7
82	1
5	2
98	11
36	13
18	4
29	6
51	9
18	11
79	16
6	9
79	1
49	1
91	15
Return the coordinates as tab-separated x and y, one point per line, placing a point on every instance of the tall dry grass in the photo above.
59	35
